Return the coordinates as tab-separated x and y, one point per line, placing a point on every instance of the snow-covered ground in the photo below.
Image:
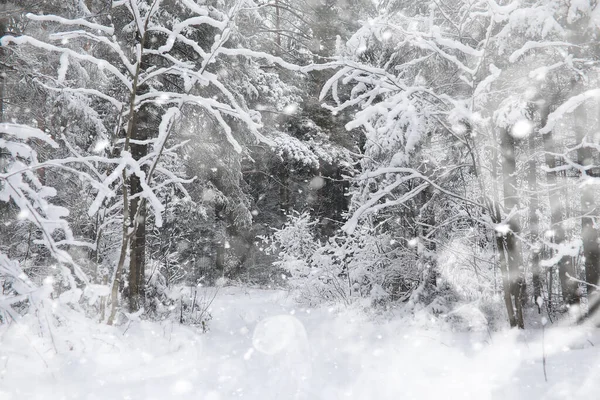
263	346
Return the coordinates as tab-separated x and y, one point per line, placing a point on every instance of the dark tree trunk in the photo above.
534	228
513	246
2	72
589	234
284	187
428	224
505	281
278	27
565	266
220	259
220	240
137	256
2	81
144	125
430	243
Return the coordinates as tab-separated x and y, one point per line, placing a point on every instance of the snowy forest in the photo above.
299	199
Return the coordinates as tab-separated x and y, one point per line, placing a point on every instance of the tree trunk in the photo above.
2	72
426	221
500	245
534	228
284	187
589	234
134	216
114	293
2	83
137	253
278	27
431	248
220	259
427	215
220	240
513	246
144	124
568	287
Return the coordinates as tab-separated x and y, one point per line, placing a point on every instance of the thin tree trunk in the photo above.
511	204
220	259
550	286
427	214
500	245
278	26
431	244
568	287
284	189
534	228
2	79
510	309
3	30
589	234
103	301
221	238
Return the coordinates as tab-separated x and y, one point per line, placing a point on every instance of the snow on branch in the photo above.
111	44
22	186
100	63
215	108
484	85
565	249
266	56
370	205
453	44
77	22
584	282
85	91
568	107
195	7
147	192
21	284
24	132
179	27
535	45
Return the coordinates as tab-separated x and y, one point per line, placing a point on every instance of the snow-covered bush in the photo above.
186	304
295	243
363	265
313	277
378	269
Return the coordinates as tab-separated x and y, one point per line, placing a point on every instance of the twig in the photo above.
544	352
194	302
584	282
127	328
105	342
50	332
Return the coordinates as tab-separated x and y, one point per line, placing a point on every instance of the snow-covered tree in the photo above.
153	63
21	186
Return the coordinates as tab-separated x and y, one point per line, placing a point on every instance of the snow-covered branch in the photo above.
568	107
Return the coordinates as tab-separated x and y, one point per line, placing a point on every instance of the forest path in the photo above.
261	345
